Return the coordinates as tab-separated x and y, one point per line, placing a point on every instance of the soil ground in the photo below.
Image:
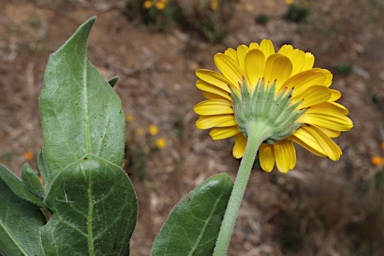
156	85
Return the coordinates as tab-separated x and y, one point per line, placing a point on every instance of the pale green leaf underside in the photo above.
94	210
80	112
19	224
194	223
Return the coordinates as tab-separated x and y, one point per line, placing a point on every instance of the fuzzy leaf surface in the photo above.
94	210
193	225
19	224
80	112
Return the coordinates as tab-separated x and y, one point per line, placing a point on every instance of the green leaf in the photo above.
80	112
94	210
193	225
31	181
17	186
19	224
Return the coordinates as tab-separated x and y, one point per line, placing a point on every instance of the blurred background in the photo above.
319	208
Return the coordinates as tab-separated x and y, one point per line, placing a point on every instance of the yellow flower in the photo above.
28	155
214	4
139	132
289	2
129	118
161	143
160	5
377	160
153	130
147	4
258	83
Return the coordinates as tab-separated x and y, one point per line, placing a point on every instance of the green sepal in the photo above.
94	209
17	186
31	181
113	81
19	224
193	225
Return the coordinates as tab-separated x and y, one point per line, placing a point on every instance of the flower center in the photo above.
264	105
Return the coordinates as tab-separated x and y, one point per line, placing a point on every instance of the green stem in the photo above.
257	133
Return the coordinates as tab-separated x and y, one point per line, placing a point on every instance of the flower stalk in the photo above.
257	131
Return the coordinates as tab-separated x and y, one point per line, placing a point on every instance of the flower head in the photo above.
147	4
153	130
280	89
161	143
28	155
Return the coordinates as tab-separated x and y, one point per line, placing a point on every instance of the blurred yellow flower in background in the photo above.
147	4
129	118
161	143
153	130
139	131
28	155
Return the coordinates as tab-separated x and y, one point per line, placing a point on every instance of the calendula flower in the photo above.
153	130
279	92
161	143
147	4
377	160
214	4
28	155
289	2
160	5
129	118
139	131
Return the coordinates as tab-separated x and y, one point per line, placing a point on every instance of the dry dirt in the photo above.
156	86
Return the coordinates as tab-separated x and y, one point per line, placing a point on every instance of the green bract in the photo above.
263	105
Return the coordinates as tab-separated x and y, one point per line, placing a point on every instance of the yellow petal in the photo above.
241	52
212	96
302	81
266	157
213	78
298	59
232	53
312	96
335	95
330	148
266	46
211	88
224	132
285	155
309	61
254	67
285	49
213	107
207	122
239	147
277	68
327	120
330	133
254	46
328	107
229	68
306	140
